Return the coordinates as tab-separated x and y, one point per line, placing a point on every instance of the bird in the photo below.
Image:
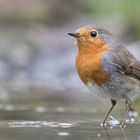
106	67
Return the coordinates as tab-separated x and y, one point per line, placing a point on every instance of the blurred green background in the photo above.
37	56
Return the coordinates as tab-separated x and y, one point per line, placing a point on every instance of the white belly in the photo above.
97	90
113	92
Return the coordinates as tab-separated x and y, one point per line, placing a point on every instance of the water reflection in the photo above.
108	134
26	124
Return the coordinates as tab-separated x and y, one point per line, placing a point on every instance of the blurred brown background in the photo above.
37	56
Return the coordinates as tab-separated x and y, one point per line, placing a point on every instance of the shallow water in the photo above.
60	121
62	130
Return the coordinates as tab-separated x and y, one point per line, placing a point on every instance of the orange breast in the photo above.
90	69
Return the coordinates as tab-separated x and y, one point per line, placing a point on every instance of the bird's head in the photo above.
92	39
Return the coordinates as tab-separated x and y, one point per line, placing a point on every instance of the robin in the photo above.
106	67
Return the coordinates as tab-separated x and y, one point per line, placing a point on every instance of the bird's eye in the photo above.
93	33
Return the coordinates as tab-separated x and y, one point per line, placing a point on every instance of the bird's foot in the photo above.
103	124
123	125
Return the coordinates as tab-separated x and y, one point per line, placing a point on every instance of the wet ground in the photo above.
60	120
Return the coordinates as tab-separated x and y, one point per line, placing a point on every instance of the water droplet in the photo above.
113	121
65	125
63	133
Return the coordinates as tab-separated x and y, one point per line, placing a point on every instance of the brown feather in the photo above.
125	62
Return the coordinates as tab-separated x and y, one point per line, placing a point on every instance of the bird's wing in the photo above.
125	62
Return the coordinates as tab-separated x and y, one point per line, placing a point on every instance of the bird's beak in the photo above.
74	34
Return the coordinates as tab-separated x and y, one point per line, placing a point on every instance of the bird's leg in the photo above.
128	107
113	104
